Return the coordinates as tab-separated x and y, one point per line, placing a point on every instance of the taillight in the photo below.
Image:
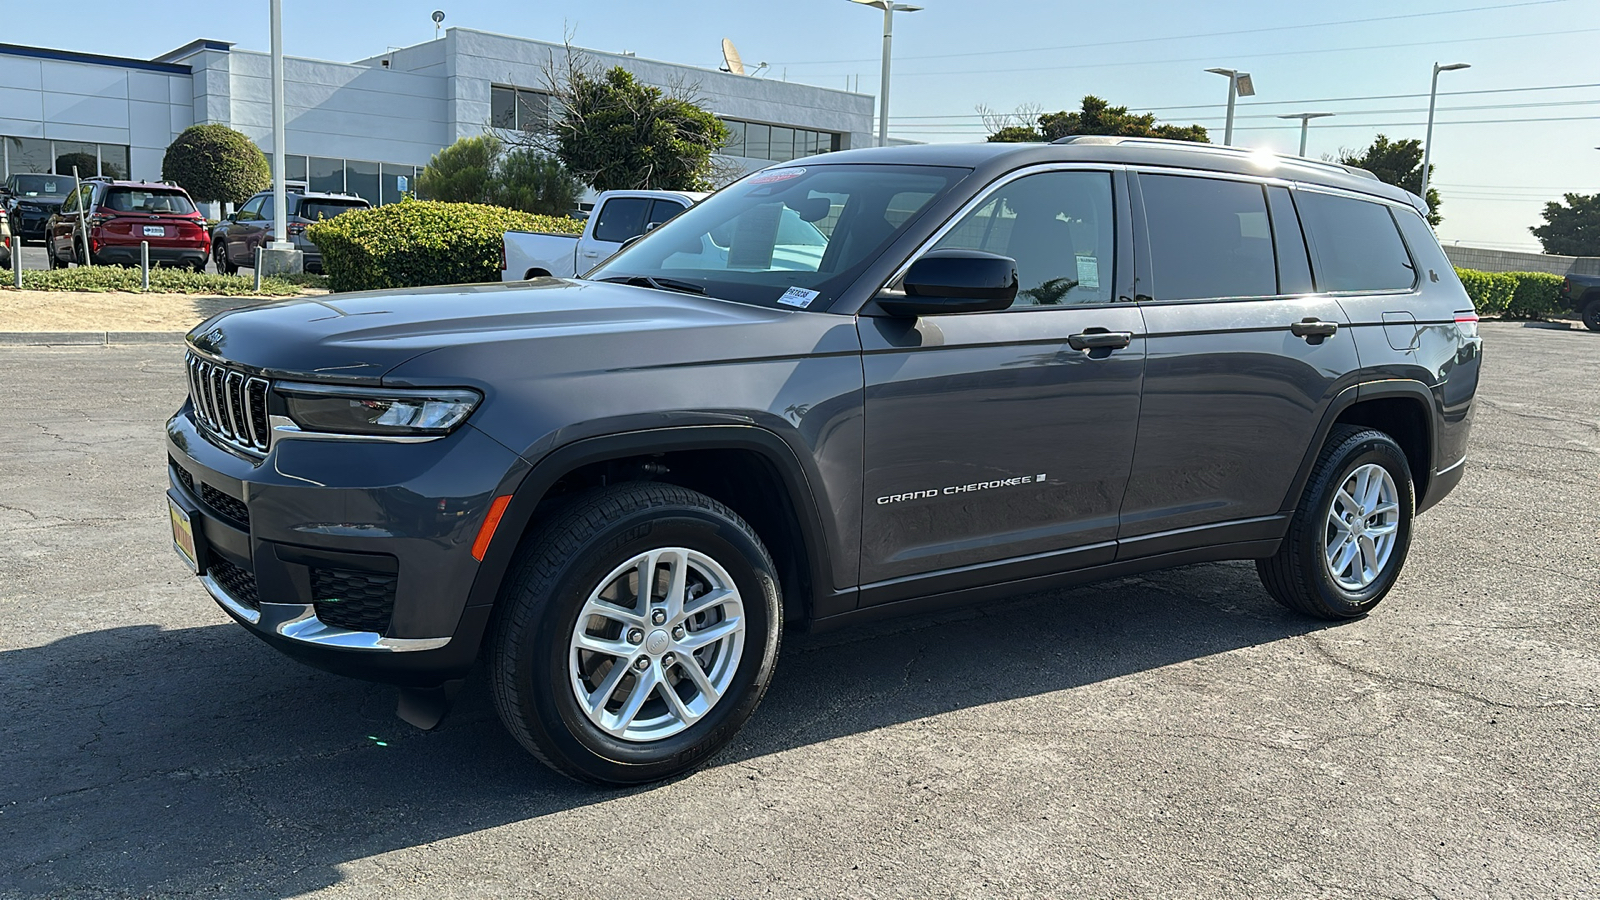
98	219
296	228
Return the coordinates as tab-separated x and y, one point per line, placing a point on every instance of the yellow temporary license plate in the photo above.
183	536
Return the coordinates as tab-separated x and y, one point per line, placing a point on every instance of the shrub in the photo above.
528	180
416	243
100	279
214	162
1516	295
461	172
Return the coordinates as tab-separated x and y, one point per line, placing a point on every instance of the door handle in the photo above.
1312	327
1100	340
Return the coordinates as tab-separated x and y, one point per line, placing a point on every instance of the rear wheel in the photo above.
636	634
1349	536
1591	315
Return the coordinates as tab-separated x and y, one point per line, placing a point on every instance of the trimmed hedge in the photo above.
416	243
101	279
1513	295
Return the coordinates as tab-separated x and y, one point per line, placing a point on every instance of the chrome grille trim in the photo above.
230	405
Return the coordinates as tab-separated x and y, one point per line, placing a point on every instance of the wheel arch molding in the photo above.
1419	444
806	568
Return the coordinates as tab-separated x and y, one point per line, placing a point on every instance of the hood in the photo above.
356	338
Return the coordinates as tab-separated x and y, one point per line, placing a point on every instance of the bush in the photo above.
461	172
416	243
100	279
1514	295
214	162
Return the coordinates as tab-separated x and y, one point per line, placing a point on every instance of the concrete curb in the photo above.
86	338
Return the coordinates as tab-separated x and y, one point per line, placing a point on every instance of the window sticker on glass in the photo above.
1088	272
798	297
777	175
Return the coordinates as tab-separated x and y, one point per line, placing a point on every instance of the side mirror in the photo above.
954	281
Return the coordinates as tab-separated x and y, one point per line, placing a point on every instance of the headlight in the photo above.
375	411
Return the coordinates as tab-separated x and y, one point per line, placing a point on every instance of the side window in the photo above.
266	209
251	211
1424	247
1209	238
1358	245
621	218
1294	266
663	210
1059	228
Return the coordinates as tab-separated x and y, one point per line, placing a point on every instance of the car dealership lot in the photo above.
1176	734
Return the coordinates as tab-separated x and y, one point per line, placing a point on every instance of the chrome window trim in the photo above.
978	200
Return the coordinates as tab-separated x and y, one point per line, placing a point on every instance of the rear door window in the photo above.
663	210
317	210
1358	247
1294	264
1209	238
621	218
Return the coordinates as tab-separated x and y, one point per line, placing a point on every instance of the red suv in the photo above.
122	214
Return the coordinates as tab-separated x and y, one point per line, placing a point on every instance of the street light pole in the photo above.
1305	121
1239	85
1427	143
280	226
889	9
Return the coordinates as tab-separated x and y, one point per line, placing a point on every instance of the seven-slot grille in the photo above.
230	404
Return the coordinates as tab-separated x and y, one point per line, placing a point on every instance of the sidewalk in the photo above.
72	317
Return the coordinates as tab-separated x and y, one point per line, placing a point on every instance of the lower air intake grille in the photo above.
359	601
222	503
239	584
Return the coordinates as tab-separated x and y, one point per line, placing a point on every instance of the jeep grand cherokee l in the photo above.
1009	367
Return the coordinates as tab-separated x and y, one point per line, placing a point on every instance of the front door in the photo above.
993	436
1244	359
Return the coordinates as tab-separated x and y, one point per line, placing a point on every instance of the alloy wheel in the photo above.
1362	524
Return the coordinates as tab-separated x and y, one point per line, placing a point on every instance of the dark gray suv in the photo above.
974	371
235	239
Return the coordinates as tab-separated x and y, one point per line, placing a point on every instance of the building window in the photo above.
518	109
46	157
778	143
377	183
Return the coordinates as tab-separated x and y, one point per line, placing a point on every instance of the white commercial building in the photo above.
361	127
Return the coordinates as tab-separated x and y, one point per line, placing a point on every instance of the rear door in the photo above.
1244	356
997	436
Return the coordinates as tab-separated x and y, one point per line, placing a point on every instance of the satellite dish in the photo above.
730	56
438	16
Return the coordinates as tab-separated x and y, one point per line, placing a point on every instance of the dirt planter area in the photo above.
69	311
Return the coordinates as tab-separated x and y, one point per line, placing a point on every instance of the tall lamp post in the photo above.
1427	143
282	256
889	8
1239	85
1305	121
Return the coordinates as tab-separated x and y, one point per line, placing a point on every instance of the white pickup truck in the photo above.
618	216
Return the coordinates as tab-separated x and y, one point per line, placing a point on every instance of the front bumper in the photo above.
351	556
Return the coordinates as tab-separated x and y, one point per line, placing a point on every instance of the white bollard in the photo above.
144	264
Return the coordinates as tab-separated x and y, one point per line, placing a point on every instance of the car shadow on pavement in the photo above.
140	760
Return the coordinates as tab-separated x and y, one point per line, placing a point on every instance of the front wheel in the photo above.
1591	315
219	252
636	634
1349	536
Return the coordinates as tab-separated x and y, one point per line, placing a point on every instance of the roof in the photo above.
92	59
1126	151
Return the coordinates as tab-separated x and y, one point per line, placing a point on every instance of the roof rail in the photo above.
1102	139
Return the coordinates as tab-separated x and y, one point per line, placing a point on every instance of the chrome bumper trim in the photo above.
299	622
1456	465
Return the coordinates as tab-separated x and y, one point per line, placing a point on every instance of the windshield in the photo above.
796	236
317	210
41	185
125	200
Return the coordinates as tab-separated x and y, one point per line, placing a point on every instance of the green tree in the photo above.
1096	116
614	133
534	182
214	162
87	164
462	172
1398	163
1573	229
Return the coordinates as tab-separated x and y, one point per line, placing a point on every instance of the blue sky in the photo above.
1148	54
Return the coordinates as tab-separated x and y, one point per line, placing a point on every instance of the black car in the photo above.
32	199
1581	294
1004	368
235	239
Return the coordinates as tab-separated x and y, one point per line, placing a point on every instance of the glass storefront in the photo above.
47	157
778	143
377	183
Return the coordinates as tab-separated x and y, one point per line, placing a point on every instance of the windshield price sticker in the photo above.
777	175
798	297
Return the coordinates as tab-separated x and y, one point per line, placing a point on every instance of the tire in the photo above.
595	544
219	251
50	251
199	267
1591	315
1302	576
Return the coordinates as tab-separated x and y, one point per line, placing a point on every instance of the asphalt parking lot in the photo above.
1171	735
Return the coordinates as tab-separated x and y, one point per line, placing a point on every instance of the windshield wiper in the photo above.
660	284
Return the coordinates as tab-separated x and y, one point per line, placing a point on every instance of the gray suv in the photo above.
978	371
235	239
